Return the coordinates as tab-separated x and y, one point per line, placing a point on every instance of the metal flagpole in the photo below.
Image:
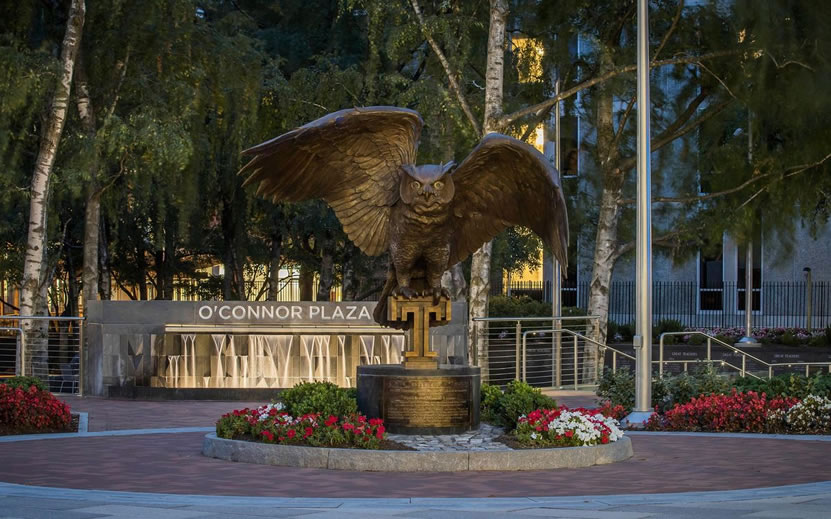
556	276
643	256
748	339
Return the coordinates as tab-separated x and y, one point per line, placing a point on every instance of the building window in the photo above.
711	280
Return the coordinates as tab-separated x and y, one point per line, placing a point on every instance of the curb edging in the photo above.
414	461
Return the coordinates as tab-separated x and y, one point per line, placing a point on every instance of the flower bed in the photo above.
566	428
32	410
272	424
747	412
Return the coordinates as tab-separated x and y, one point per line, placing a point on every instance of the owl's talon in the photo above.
438	293
407	292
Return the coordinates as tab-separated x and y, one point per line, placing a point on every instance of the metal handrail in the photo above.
745	356
576	336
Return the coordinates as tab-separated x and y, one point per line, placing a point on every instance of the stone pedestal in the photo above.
421	401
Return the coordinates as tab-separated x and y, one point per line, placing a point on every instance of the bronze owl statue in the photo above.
361	161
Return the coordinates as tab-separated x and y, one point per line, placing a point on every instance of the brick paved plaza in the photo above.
171	463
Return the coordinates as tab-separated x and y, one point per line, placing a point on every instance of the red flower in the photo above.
375	421
291	433
269	435
331	420
309	431
348	426
569	434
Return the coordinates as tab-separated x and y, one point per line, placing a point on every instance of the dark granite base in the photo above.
163	393
421	401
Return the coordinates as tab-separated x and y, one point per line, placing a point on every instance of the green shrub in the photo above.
627	331
697	340
524	306
667	390
504	408
789	339
789	384
618	387
24	383
667	326
490	399
324	398
817	340
612	329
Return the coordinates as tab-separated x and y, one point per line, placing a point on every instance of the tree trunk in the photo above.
92	211
453	280
105	286
608	218
327	271
307	279
481	264
274	268
35	255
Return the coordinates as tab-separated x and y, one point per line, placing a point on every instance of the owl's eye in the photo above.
438	185
416	184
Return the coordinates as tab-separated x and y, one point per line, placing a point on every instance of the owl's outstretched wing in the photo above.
502	183
348	158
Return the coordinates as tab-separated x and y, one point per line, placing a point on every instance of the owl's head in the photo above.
428	185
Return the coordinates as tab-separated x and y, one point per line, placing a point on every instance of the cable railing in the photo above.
531	349
48	348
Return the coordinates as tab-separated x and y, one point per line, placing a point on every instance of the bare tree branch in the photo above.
451	76
678	60
788	62
789	172
673	132
718	79
667	239
625	117
669	31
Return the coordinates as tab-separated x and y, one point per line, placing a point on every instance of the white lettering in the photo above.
282	312
313	311
351	309
253	312
241	312
268	310
206	315
338	313
227	314
364	313
296	312
323	313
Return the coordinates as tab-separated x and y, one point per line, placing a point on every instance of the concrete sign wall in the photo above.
218	344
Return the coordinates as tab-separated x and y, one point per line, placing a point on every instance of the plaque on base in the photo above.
421	401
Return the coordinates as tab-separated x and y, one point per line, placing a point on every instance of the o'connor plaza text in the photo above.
283	312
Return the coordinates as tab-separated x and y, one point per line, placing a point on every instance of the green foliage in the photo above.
667	390
524	306
504	408
323	398
618	387
790	384
23	382
696	339
667	326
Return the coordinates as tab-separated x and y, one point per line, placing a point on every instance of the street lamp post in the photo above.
643	242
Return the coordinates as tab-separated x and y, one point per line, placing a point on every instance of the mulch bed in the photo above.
6	430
